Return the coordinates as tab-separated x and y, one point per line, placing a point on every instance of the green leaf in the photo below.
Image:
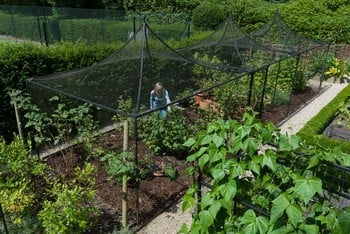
294	142
203	161
313	161
218	140
206	201
248	217
294	214
188	199
255	163
306	188
229	191
283	230
206	140
217	156
253	224
269	160
280	204
190	142
262	223
311	229
218	174
206	219
344	220
215	208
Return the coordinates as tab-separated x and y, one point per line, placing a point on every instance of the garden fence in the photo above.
48	25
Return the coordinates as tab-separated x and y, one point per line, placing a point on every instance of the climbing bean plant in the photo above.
253	162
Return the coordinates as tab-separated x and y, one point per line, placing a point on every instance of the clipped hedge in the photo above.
312	131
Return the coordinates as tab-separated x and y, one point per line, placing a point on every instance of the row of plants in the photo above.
251	161
317	124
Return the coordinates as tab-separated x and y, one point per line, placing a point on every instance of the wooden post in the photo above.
18	119
125	179
3	220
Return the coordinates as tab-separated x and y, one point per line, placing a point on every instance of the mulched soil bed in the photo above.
155	193
277	113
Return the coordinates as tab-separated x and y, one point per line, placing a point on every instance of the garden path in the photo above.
171	220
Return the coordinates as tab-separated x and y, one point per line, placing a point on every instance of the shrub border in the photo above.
311	133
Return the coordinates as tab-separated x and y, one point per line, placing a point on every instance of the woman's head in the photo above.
158	88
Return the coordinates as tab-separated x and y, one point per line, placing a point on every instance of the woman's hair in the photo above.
158	88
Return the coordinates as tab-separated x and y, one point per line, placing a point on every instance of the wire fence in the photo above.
49	25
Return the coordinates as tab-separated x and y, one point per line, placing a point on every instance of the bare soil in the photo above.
154	194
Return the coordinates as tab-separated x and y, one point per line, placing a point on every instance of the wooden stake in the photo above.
18	119
125	179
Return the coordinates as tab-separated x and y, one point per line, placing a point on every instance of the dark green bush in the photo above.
209	15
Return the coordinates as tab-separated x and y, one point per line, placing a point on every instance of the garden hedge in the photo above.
312	131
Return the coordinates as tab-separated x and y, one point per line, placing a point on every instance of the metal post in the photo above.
45	34
250	91
276	82
263	93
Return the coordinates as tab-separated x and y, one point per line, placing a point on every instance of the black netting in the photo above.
270	76
232	49
129	74
278	36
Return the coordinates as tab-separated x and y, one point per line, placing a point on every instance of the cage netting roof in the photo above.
278	36
229	46
130	73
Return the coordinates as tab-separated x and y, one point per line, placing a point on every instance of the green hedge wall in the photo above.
312	131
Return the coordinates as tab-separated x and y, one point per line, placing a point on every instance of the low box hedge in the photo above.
312	131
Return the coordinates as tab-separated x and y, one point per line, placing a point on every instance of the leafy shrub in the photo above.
209	15
18	169
165	135
170	171
120	164
71	209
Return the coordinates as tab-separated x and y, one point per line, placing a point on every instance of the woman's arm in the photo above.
167	97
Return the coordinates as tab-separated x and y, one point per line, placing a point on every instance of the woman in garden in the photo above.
159	98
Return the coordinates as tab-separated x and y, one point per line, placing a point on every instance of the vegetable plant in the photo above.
248	162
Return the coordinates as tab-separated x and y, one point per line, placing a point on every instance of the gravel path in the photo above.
170	221
294	123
